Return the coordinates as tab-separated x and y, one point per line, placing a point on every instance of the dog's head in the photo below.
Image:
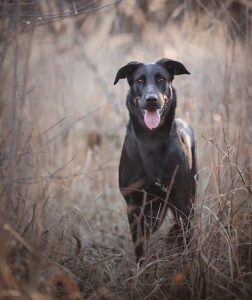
151	91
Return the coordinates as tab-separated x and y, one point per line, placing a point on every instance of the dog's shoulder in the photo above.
130	155
185	130
186	139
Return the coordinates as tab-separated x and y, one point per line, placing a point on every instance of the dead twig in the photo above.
239	170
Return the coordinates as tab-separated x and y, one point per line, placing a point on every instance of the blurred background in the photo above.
64	230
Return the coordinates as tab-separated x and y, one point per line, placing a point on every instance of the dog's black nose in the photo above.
151	99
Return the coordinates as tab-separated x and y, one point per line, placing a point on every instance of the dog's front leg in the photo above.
145	217
139	230
138	222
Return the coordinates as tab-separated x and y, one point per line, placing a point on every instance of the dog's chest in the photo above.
158	163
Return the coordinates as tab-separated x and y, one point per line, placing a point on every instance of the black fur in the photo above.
158	166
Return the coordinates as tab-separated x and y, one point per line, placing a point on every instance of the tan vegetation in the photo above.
63	229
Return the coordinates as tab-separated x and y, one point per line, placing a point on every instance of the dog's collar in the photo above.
164	187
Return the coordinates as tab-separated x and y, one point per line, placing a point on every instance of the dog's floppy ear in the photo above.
127	71
172	66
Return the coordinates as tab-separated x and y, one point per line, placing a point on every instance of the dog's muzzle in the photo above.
151	109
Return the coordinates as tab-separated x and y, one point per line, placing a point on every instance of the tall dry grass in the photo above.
63	229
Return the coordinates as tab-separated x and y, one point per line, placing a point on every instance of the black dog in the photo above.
158	166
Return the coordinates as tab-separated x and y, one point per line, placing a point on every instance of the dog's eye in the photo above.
160	79
140	80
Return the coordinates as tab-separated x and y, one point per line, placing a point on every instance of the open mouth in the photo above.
152	118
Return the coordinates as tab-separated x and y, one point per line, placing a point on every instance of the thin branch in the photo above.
14	121
72	125
231	161
109	95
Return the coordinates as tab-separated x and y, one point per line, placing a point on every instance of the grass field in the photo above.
63	225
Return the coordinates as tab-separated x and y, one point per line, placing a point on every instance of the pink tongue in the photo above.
151	118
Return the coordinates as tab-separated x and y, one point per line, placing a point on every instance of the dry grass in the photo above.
63	228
